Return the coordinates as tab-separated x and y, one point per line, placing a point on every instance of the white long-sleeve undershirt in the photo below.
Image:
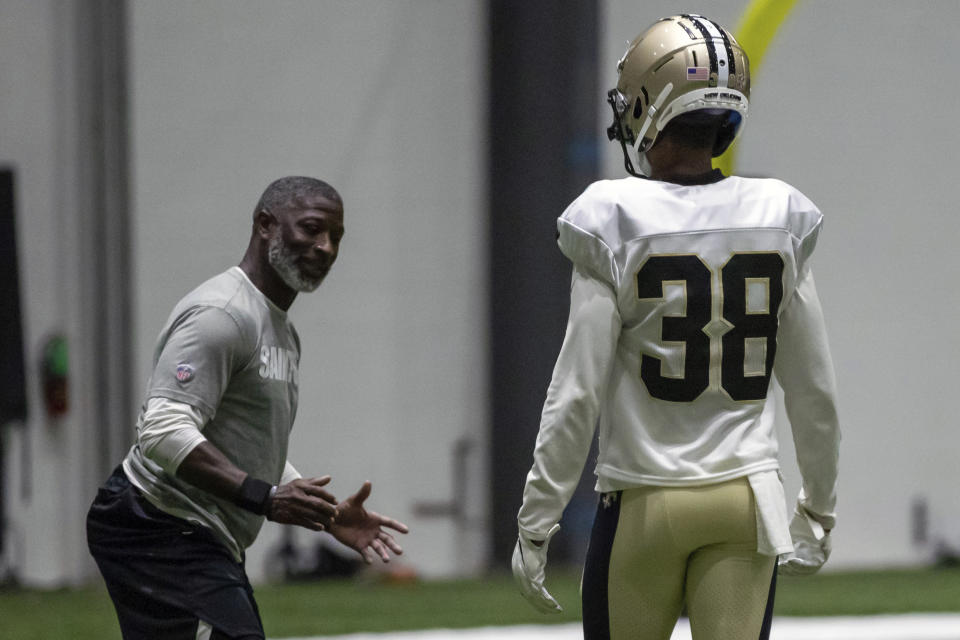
169	430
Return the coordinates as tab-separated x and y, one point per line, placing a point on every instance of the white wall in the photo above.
49	481
386	101
851	105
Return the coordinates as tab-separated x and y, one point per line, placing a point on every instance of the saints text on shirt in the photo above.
277	363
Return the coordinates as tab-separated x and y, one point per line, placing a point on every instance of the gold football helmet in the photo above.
680	64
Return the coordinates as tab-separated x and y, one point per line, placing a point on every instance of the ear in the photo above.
264	223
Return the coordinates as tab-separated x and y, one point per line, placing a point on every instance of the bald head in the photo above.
292	192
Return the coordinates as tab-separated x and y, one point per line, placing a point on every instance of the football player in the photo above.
690	290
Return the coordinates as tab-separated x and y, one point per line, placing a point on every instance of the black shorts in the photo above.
168	578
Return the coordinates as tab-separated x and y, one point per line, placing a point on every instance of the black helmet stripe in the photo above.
721	60
708	40
726	44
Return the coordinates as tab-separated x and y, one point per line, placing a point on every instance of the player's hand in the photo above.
811	545
363	531
304	502
529	563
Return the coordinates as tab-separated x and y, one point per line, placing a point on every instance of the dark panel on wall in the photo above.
544	95
13	397
13	392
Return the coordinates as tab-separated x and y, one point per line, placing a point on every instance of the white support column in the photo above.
62	116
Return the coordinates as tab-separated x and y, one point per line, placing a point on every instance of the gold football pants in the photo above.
654	550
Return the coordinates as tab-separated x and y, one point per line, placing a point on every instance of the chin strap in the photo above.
645	169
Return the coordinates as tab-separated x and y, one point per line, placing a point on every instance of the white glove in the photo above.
811	545
528	564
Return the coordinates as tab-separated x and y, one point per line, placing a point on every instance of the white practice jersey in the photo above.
685	301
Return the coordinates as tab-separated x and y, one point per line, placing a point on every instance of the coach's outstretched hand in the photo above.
363	531
304	502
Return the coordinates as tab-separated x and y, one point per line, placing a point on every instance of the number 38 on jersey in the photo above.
740	312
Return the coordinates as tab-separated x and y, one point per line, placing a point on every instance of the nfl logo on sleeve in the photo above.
184	373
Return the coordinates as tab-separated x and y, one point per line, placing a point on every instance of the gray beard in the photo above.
284	263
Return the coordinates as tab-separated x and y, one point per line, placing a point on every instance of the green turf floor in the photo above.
335	607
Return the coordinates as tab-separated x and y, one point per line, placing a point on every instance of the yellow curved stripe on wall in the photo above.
757	27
